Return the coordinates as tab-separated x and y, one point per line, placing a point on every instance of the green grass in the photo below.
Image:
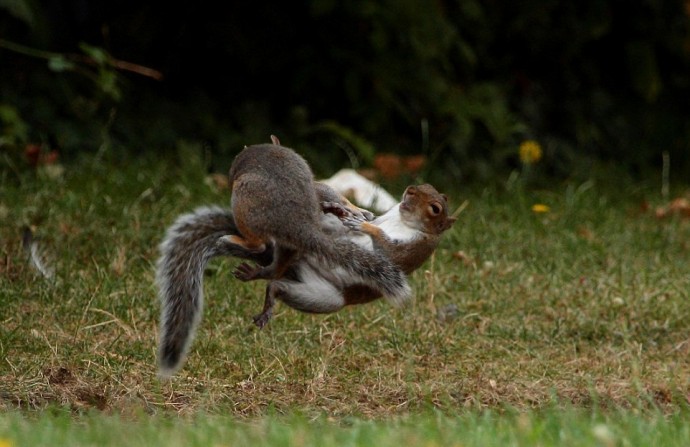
583	309
551	428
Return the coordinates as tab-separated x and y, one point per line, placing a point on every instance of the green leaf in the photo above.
99	55
107	81
13	128
20	9
59	63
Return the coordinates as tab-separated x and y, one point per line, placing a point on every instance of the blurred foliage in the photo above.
462	82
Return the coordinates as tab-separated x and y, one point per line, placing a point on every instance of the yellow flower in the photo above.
5	442
530	152
540	208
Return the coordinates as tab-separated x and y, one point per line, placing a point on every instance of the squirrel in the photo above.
407	234
275	219
410	231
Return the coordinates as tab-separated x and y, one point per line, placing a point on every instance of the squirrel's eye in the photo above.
435	209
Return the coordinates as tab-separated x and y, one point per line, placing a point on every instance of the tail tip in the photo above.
165	374
166	371
168	364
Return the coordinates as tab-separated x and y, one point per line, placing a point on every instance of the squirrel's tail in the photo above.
190	242
370	267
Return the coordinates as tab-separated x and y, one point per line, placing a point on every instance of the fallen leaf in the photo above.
679	206
32	153
414	163
389	166
585	233
466	259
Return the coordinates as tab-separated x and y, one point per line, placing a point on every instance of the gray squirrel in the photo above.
297	231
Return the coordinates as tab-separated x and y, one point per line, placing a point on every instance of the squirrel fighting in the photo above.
317	272
276	217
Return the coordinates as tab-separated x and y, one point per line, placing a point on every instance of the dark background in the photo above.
462	83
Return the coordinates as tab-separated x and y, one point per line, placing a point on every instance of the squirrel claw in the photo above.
352	223
367	215
345	212
335	208
262	319
245	272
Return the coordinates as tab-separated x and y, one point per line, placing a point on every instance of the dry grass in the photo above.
583	306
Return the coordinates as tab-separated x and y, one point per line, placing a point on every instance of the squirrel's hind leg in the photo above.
263	318
282	260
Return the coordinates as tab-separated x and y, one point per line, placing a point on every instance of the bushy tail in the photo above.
190	242
370	267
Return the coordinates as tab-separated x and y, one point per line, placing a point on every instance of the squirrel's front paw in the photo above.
352	222
342	211
335	208
367	215
246	272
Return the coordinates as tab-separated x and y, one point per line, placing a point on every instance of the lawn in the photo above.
558	428
526	318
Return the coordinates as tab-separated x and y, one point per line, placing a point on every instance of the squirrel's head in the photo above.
425	208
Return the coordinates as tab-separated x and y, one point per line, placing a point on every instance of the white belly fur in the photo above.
322	289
